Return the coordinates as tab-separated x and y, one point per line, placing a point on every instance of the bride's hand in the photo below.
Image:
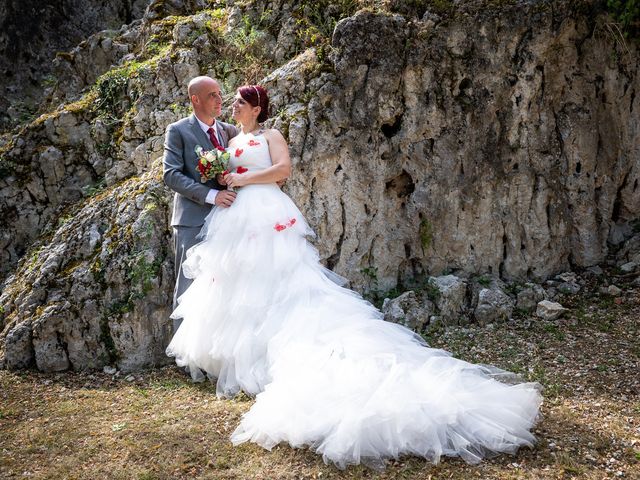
236	179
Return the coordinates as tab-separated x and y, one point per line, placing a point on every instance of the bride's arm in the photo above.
279	170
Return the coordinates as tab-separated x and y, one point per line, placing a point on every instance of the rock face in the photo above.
98	293
113	132
32	31
496	140
453	146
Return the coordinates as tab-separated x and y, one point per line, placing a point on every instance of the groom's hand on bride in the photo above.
225	198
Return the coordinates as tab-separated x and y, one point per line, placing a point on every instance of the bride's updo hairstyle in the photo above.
257	97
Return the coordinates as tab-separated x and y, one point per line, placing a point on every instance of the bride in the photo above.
265	317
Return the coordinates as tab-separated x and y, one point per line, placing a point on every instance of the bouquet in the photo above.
211	162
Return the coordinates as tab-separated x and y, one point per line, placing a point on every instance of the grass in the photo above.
160	426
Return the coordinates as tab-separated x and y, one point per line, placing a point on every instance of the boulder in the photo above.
409	310
493	306
549	310
450	299
529	296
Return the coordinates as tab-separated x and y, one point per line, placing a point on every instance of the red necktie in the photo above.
212	137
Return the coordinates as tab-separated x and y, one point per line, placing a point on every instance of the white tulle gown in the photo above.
264	316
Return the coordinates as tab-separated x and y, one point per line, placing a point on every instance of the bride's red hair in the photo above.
258	97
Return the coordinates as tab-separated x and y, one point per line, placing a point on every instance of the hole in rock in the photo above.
390	130
504	247
465	84
617	208
402	185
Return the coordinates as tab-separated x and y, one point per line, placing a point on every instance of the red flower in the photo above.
253	143
226	172
238	152
242	169
279	227
203	169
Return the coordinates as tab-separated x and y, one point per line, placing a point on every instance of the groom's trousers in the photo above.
183	239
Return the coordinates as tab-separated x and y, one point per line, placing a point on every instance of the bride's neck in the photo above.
248	128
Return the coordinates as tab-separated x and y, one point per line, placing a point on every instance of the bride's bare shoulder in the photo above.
273	134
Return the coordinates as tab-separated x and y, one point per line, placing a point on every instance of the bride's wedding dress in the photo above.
264	316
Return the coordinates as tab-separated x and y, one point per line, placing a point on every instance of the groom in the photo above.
193	200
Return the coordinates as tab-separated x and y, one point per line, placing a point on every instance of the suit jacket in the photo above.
180	172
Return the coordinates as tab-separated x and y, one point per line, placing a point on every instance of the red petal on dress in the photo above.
253	143
239	152
242	169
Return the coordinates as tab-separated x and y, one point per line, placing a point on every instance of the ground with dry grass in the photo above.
157	425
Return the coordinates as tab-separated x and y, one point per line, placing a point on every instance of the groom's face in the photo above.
210	99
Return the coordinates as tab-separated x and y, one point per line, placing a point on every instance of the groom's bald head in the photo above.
200	84
206	98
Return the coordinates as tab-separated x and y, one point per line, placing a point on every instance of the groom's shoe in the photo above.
199	378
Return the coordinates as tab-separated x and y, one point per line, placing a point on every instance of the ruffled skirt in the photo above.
264	316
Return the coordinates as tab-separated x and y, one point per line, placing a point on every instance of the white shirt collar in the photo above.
205	128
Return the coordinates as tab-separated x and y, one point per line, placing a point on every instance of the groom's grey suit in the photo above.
181	175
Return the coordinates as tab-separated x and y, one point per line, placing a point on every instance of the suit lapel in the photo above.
203	138
222	134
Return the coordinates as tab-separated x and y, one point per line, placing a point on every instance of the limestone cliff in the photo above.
427	137
32	32
501	143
